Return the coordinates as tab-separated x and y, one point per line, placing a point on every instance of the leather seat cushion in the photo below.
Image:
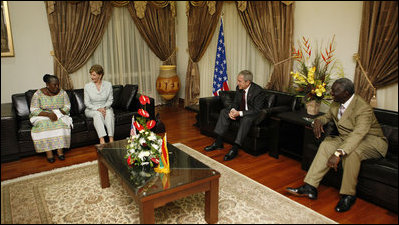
123	116
24	132
79	124
372	169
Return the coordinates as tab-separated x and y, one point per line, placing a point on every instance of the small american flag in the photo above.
220	73
132	128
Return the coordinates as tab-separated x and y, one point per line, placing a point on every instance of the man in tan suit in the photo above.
360	137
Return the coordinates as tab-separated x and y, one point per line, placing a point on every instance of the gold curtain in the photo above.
157	27
270	25
75	33
378	47
201	26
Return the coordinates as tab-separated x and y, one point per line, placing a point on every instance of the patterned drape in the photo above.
270	25
378	47
203	17
75	31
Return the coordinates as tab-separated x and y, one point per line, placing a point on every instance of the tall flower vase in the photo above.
313	107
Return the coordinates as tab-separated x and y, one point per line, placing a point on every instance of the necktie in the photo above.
341	111
242	104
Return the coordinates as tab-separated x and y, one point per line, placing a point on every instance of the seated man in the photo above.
248	102
360	137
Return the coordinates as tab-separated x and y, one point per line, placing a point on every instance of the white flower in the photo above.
144	163
152	137
141	141
143	154
155	146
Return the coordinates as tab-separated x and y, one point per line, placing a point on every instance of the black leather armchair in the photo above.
16	138
378	178
263	136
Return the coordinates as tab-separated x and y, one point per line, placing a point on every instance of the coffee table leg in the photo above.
212	202
147	214
103	172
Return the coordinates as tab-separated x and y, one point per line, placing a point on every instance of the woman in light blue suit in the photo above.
98	98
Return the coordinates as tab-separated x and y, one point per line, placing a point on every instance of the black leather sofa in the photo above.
378	178
264	135
16	138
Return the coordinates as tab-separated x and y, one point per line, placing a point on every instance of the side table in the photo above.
292	129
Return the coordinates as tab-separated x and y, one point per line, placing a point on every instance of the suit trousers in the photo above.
351	162
224	121
99	121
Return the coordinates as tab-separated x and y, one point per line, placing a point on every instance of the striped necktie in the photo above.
341	111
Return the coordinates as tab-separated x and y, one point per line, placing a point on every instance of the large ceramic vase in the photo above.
168	83
313	107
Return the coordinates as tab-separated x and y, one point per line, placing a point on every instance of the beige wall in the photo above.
32	44
318	20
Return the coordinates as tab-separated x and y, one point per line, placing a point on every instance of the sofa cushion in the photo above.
79	106
269	100
227	98
123	116
373	169
24	131
21	106
117	92
29	94
128	93
79	124
391	133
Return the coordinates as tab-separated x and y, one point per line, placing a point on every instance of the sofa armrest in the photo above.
136	105
9	144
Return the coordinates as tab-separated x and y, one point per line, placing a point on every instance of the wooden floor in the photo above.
276	174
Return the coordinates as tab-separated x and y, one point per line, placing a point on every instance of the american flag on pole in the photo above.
220	73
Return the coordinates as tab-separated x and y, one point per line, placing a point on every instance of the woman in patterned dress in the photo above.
49	108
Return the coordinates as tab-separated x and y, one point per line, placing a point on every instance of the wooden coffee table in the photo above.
151	190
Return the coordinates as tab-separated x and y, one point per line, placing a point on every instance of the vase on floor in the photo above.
313	107
168	82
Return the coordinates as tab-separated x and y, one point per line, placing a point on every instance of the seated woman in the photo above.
98	98
49	108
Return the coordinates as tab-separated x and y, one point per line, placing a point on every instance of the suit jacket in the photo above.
255	99
357	121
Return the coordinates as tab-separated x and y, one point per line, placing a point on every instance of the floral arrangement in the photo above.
312	78
144	146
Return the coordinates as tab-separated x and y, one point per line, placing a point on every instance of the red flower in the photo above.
155	160
144	100
143	113
138	126
151	124
130	161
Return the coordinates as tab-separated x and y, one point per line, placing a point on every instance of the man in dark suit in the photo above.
360	137
247	104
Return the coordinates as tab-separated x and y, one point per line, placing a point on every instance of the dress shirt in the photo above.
246	99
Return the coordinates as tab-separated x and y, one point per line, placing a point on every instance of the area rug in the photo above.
73	195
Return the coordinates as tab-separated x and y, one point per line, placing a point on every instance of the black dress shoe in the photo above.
345	203
51	160
304	190
212	147
232	153
61	157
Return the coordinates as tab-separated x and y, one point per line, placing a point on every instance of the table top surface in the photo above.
184	169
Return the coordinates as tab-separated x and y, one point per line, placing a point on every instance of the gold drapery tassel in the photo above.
373	100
